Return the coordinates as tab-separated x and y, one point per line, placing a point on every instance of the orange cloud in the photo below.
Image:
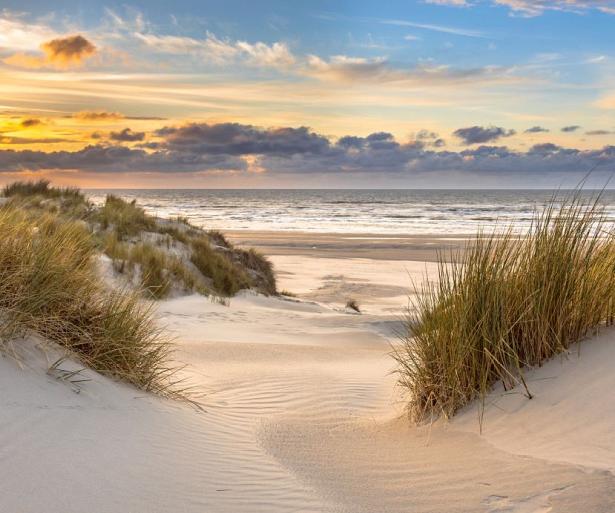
100	115
59	53
30	122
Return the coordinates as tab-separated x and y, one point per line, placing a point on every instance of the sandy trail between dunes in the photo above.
302	415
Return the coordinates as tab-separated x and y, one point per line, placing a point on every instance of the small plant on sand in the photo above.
353	305
507	303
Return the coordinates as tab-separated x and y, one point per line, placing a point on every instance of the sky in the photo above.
316	94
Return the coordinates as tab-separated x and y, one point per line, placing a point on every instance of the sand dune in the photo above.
301	413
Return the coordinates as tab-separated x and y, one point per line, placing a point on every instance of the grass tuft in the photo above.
127	219
353	305
507	303
49	285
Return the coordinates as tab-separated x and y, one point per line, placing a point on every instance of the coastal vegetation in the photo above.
509	302
53	284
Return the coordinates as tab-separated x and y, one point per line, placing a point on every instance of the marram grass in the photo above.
49	285
506	303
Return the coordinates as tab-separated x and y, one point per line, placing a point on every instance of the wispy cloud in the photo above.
343	68
456	3
221	51
437	28
532	8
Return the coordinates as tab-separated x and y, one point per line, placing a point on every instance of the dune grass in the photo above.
41	188
227	278
39	197
158	271
127	219
507	303
49	286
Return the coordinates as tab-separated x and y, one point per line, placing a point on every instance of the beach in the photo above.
299	409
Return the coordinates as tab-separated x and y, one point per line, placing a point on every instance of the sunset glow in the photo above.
433	93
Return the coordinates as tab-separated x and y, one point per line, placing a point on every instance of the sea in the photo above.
441	212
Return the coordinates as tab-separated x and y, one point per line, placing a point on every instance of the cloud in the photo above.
598	132
60	53
31	140
456	31
221	51
115	159
276	55
479	134
238	139
106	116
570	128
127	135
455	3
342	68
532	8
17	35
234	148
30	122
99	115
536	130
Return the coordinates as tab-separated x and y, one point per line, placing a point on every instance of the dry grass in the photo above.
226	277
41	188
508	303
158	271
125	218
39	197
49	285
353	305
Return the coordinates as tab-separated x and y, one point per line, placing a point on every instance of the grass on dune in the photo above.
227	278
157	270
41	188
226	269
125	218
507	303
49	286
39	197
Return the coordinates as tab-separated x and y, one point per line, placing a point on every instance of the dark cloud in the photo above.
59	53
30	122
97	115
439	143
127	135
68	50
238	139
425	135
599	132
103	115
571	128
479	134
536	130
113	159
226	146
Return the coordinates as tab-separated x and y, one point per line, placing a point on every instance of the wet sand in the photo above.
422	248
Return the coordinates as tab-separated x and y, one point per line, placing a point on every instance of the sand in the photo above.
301	414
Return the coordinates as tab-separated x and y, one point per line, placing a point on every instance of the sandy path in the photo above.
301	415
